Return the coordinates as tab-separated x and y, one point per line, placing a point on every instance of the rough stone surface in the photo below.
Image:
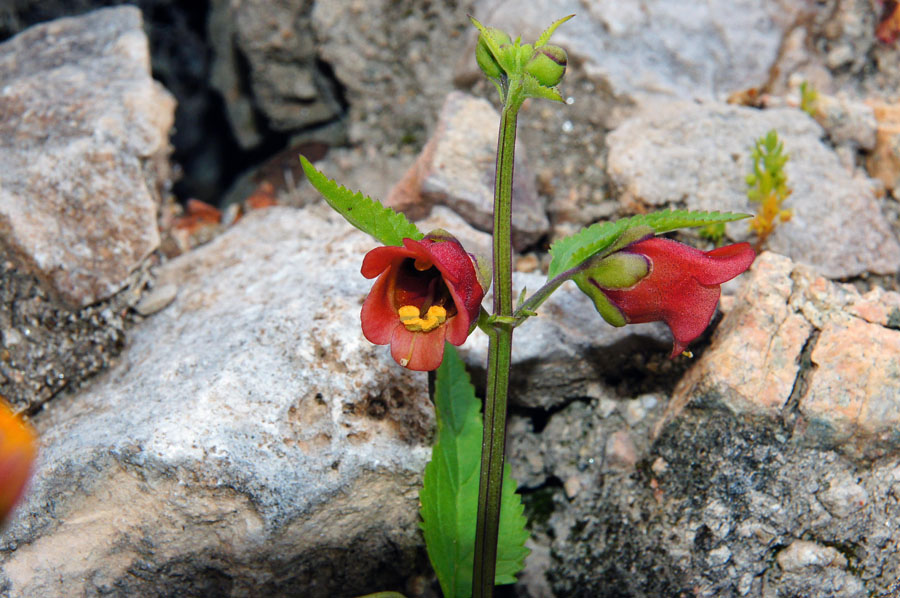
884	162
702	49
696	156
390	57
250	442
718	507
282	79
796	340
457	169
568	351
45	348
847	122
83	151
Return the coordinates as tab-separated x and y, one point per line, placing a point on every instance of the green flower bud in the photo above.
547	65
487	62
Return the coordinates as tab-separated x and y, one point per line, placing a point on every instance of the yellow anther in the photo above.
409	315
422	265
408	312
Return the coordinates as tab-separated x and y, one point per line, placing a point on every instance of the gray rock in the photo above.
457	169
731	500
689	50
282	79
249	442
697	156
392	59
83	149
567	350
846	121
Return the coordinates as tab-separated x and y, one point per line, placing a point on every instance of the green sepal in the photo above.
621	270
534	89
449	496
366	214
572	251
548	32
607	310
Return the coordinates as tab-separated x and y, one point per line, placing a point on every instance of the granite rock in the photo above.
713	503
697	156
83	148
249	442
796	340
884	161
457	169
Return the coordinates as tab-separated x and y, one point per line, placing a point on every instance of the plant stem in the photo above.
499	358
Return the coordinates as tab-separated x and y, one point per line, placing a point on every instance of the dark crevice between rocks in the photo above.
791	410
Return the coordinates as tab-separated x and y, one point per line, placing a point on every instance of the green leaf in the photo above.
572	251
449	496
366	214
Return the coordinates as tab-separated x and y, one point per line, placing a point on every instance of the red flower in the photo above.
427	292
18	448
658	279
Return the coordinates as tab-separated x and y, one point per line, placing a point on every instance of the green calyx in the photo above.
604	307
620	270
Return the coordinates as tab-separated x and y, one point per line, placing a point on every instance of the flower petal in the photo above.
381	258
725	263
418	351
378	317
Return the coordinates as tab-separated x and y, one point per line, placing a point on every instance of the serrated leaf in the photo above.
363	212
572	251
449	495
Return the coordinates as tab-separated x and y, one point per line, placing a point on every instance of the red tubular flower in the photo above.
427	292
657	279
18	448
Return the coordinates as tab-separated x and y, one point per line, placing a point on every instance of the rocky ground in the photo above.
214	424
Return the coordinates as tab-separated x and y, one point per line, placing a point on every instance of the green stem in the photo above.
499	358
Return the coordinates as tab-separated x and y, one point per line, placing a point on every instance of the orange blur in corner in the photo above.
18	449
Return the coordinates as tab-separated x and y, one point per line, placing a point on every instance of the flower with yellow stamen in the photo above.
427	292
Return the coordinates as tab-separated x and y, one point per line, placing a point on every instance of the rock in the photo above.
156	299
730	494
84	150
392	60
456	169
701	50
846	121
249	442
697	156
884	162
802	554
843	497
266	62
795	335
620	453
567	349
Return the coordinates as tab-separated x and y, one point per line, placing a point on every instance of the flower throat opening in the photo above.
421	296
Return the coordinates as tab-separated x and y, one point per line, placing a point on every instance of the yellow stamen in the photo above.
410	317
